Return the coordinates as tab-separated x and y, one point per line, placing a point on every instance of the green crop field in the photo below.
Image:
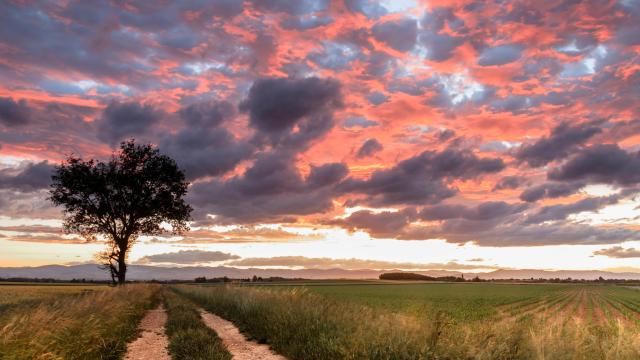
331	320
434	320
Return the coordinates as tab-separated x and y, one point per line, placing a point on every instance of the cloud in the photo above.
368	148
203	147
271	189
291	7
27	177
380	224
276	105
562	211
510	233
351	264
359	121
123	120
187	257
606	164
500	55
563	139
398	34
422	179
618	252
46	239
509	182
550	190
13	113
371	8
483	211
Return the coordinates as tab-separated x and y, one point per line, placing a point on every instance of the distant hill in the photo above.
146	272
549	274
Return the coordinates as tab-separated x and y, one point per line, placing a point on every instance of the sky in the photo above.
457	135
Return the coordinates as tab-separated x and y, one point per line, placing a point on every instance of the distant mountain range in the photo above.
145	272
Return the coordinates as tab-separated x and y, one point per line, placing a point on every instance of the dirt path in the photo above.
152	343
236	343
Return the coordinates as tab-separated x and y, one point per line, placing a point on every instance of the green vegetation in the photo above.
412	321
331	320
466	301
84	325
13	294
189	337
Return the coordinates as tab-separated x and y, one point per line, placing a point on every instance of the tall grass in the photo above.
304	325
300	325
189	337
95	325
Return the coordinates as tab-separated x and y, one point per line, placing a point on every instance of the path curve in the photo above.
152	343
237	344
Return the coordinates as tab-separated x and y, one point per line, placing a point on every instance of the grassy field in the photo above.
71	322
21	293
324	320
481	321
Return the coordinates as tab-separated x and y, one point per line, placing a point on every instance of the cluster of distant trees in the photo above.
420	277
225	279
414	276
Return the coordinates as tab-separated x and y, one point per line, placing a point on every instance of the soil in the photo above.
152	343
236	343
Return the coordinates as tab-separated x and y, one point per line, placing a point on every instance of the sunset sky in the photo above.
406	134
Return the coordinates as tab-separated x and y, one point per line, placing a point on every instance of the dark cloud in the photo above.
370	8
500	55
509	182
550	190
618	252
398	34
271	189
202	147
184	257
562	211
377	98
27	177
306	22
440	47
368	148
128	119
327	174
484	211
335	55
298	7
606	164
377	224
492	233
422	179
563	139
378	64
276	105
13	113
359	121
444	135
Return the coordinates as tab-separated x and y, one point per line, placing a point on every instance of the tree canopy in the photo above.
137	192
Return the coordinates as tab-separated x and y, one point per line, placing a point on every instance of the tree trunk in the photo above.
122	266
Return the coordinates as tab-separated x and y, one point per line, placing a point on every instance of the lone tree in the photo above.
138	192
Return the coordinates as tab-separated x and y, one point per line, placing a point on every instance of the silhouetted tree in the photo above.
137	192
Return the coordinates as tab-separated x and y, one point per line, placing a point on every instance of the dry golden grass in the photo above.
94	325
13	293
